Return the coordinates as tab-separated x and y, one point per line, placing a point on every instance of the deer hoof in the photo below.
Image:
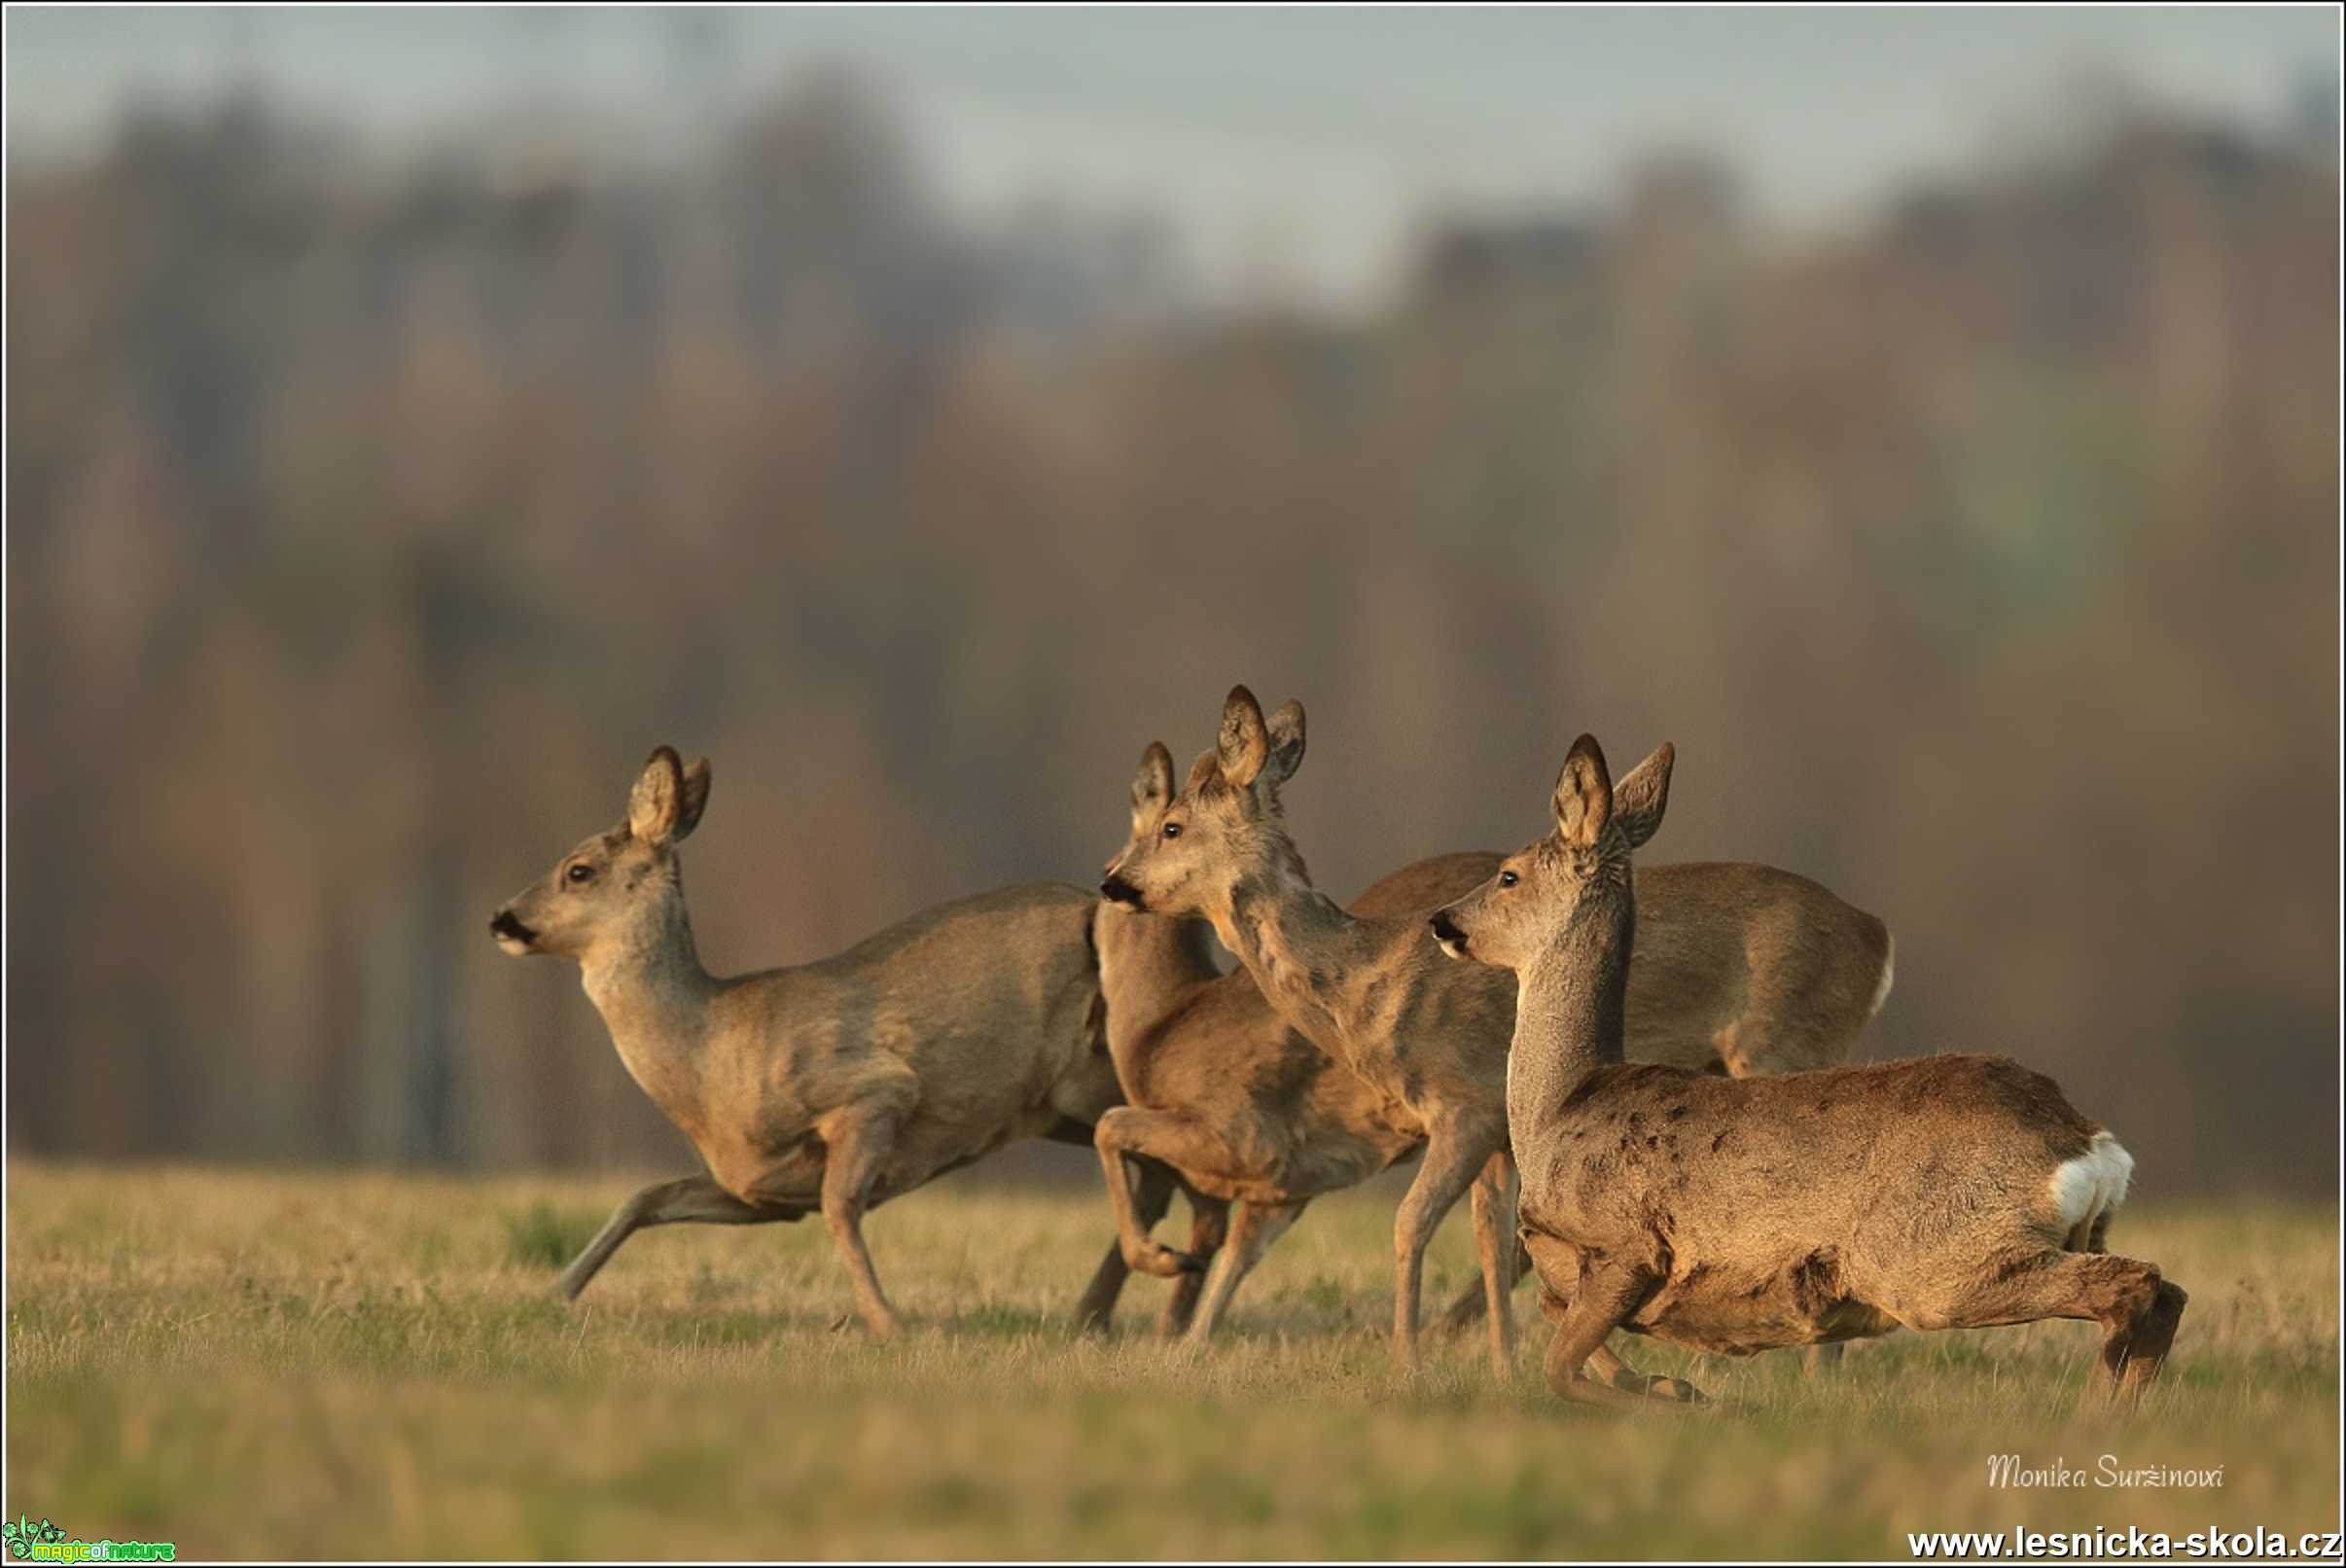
1163	1261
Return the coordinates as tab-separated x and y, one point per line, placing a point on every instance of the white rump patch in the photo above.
2091	1186
1881	988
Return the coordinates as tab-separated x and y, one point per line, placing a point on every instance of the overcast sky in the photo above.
1304	142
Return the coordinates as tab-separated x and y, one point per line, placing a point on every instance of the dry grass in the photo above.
271	1364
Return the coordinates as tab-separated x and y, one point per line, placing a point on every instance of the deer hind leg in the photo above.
1209	1229
1153	1195
689	1199
1498	1246
1452	1158
1130	1130
2143	1353
1257	1226
856	1149
2138	1310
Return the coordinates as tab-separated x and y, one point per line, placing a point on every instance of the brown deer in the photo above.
832	1085
1219	1066
1221	1087
1736	1215
1758	957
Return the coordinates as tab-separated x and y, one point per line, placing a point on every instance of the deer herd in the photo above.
1638	1078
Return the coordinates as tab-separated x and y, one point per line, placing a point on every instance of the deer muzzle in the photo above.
511	933
1446	934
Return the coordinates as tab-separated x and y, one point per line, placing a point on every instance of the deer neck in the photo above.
1570	1007
655	996
1299	946
1148	964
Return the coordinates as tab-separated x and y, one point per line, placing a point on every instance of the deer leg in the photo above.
1606	1296
1154	1197
1257	1226
2144	1351
1129	1130
1209	1229
1466	1308
1453	1157
689	1199
1496	1242
2137	1309
1559	1282
855	1148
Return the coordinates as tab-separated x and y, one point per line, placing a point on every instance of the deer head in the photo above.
1190	848
616	890
1582	867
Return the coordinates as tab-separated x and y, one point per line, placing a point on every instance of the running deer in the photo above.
1219	1087
1762	972
832	1085
1360	988
1735	1215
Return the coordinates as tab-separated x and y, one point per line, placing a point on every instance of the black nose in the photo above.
1444	928
505	924
1119	891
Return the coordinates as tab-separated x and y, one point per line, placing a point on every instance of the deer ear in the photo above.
1152	785
694	800
1244	745
1642	795
1583	799
1203	773
1286	731
658	797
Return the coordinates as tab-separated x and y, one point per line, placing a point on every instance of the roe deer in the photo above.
831	1085
1735	1215
1363	990
1220	1088
1756	970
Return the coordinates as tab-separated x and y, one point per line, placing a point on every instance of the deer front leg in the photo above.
1258	1226
856	1147
1209	1229
1466	1308
1607	1294
1153	1197
689	1199
1453	1157
1129	1130
1603	1365
1495	1241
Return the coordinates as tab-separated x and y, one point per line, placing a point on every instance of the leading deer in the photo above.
1735	1215
832	1087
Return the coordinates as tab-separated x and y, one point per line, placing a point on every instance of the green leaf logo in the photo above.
21	1534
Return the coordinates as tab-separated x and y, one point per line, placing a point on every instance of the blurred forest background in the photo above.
369	516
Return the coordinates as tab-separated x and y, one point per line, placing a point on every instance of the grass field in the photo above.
269	1364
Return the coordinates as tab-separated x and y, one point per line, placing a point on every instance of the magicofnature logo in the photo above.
29	1542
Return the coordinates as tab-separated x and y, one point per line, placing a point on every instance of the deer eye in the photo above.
1507	878
580	871
1172	829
